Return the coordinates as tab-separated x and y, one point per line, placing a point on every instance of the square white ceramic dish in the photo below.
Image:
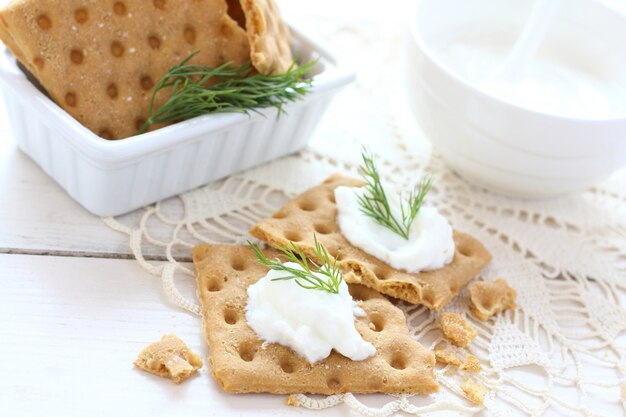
114	177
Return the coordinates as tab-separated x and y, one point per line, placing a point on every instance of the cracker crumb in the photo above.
169	358
456	329
472	364
446	356
490	298
293	401
475	391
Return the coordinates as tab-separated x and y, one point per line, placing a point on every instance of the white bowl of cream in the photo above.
558	129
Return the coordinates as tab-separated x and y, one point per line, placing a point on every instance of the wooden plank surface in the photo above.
71	328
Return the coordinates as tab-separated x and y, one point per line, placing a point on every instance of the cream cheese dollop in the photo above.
430	244
311	322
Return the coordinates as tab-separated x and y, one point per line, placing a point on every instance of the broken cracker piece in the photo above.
100	60
474	390
170	358
314	212
489	298
269	37
241	362
446	356
472	364
456	329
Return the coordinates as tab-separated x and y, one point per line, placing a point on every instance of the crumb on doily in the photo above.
490	298
474	390
472	364
446	356
456	329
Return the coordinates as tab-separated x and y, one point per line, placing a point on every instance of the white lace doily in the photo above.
566	257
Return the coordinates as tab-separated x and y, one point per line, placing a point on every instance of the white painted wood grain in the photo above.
71	328
37	215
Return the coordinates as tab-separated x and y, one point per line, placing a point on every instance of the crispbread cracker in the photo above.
170	358
489	298
314	211
241	364
270	40
99	59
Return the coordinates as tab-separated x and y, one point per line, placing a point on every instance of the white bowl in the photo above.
114	177
511	149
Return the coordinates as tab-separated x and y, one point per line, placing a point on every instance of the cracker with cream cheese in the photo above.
241	363
314	212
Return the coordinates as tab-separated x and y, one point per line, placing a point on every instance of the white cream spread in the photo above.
311	322
430	244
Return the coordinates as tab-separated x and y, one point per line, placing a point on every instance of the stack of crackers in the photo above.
242	363
100	59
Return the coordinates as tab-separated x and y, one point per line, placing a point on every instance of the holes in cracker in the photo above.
190	35
323	229
359	292
81	15
247	350
105	134
39	63
279	215
146	82
119	8
464	250
159	4
112	90
333	383
154	42
140	122
293	235
215	285
44	22
287	365
117	49
76	56
398	361
231	316
70	99
237	264
377	322
307	205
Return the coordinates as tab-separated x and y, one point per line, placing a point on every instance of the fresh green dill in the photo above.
375	204
306	276
197	90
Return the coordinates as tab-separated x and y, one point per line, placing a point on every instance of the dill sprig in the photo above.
375	204
305	277
237	90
